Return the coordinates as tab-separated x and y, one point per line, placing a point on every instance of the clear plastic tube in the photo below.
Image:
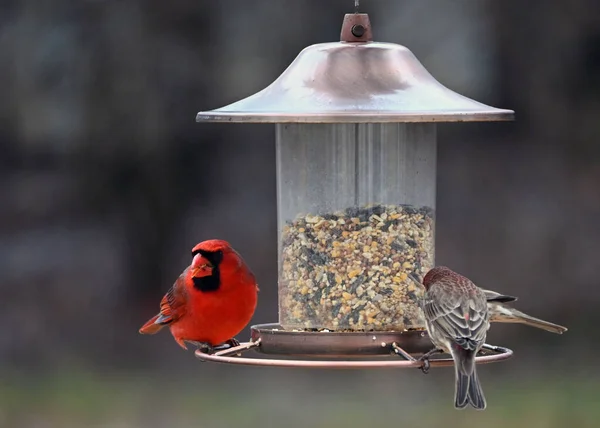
356	216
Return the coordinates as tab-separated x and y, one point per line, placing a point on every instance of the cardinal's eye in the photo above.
214	258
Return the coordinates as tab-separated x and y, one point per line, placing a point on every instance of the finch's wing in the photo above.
492	296
458	315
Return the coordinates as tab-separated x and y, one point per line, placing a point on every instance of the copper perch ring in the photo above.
227	357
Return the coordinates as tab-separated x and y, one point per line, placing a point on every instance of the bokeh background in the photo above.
106	182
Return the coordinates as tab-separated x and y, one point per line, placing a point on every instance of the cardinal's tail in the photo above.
151	327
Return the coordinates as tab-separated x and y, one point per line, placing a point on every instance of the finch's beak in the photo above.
414	278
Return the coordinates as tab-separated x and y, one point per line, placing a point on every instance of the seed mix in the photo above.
348	271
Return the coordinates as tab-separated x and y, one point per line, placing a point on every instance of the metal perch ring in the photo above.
226	357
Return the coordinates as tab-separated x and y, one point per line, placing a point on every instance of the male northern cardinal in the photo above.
211	301
457	320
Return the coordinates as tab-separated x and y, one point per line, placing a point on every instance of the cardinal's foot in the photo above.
233	342
205	347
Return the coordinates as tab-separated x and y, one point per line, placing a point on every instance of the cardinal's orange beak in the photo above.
204	270
200	267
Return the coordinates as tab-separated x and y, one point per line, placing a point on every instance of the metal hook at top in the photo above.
356	5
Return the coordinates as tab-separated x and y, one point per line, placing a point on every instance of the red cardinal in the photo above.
457	320
211	301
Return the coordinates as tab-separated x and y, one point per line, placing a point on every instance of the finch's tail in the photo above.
512	315
468	389
476	397
151	327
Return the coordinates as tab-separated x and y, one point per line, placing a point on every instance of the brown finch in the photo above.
500	312
457	320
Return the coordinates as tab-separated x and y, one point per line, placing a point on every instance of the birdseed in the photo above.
348	271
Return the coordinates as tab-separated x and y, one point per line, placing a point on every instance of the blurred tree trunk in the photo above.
152	68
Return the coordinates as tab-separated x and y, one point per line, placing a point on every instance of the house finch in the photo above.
211	301
457	320
500	312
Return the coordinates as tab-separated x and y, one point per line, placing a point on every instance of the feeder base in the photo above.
325	350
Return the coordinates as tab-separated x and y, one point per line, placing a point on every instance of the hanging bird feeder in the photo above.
355	126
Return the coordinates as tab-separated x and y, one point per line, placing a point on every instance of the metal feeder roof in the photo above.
355	80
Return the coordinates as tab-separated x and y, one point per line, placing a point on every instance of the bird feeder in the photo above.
355	125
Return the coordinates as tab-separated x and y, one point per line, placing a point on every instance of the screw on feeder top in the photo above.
356	28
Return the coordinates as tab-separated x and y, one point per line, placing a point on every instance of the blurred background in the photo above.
106	183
